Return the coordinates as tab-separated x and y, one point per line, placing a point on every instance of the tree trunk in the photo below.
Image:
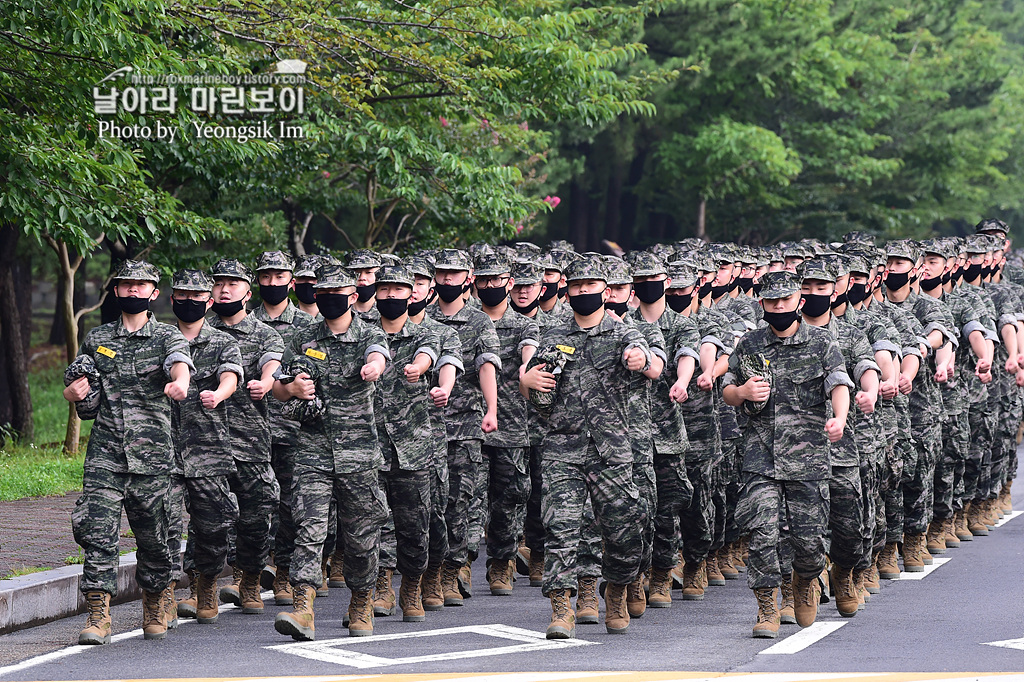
66	304
702	208
14	348
298	225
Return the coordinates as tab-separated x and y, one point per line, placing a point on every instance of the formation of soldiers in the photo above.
812	414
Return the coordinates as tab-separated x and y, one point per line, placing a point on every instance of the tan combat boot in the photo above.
97	620
298	623
737	552
693	581
465	580
725	564
806	593
522	558
282	590
844	590
187	607
871	580
963	533
863	596
206	599
563	620
1006	496
154	615
991	514
249	588
936	537
536	569
171	605
409	600
360	614
323	589
384	594
787	614
636	600
336	576
450	585
230	594
949	533
913	562
586	601
768	617
975	522
660	594
888	566
430	589
714	573
500	576
677	572
616	615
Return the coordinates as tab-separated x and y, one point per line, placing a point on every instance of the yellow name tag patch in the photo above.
315	354
566	349
103	350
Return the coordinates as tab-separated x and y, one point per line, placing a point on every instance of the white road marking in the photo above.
1008	644
927	570
774	677
804	638
334	651
1009	517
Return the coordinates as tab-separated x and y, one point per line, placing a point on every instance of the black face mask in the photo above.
973	271
449	292
947	277
188	310
392	308
563	292
492	296
841	299
756	287
649	292
705	289
549	291
525	309
816	305
679	302
365	292
332	306
931	283
273	294
745	283
895	281
417	307
719	291
733	285
133	305
229	309
780	321
586	304
617	308
857	293
305	292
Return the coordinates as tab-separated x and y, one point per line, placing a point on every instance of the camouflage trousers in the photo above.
96	523
508	492
683	514
732	465
588	560
253	485
767	506
615	501
896	459
982	422
211	512
477	514
533	527
846	516
438	542
405	538
873	526
361	512
1004	448
919	479
952	452
722	470
463	464
282	460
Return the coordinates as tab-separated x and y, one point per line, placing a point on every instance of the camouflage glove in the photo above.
754	366
296	409
555	361
84	366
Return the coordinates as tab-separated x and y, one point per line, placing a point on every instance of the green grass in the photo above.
23	570
39	469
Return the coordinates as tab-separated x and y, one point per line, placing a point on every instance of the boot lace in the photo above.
152	609
560	604
94	601
766	605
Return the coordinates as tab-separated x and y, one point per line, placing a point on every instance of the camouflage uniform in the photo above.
786	452
129	457
357	260
252	480
337	453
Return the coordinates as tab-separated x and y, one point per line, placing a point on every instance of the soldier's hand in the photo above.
256	389
635	360
866	402
888	389
209	399
1020	360
834	429
175	391
986	377
77	389
705	381
1011	365
412	373
756	390
302	387
678	392
539	380
941	376
983	366
1020	378
370	371
439	396
490	423
906	385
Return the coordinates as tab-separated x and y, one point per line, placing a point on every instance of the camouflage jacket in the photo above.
371	316
641	393
737	326
201	441
966	320
909	331
344	440
882	336
857	446
451	354
701	409
975	392
786	440
926	405
1007	306
132	431
514	332
282	430
248	419
543	320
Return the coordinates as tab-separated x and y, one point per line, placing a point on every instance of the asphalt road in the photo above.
944	622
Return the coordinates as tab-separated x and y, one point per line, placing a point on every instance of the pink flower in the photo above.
519	229
327	175
524	125
485	124
552	201
444	121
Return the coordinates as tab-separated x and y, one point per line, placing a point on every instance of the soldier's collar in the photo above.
144	330
288	316
802	334
324	332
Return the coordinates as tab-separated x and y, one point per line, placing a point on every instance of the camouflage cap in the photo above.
745	255
81	366
586	268
478	249
939	247
617	270
561	245
981	243
779	284
859	237
395	274
233	268
191	280
490	264
550	262
527	272
527	250
389	259
816	268
139	270
331	276
856	263
902	248
991	226
307	265
840	263
682	275
452	259
646	264
762	256
362	258
275	260
419	267
775	255
721	254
